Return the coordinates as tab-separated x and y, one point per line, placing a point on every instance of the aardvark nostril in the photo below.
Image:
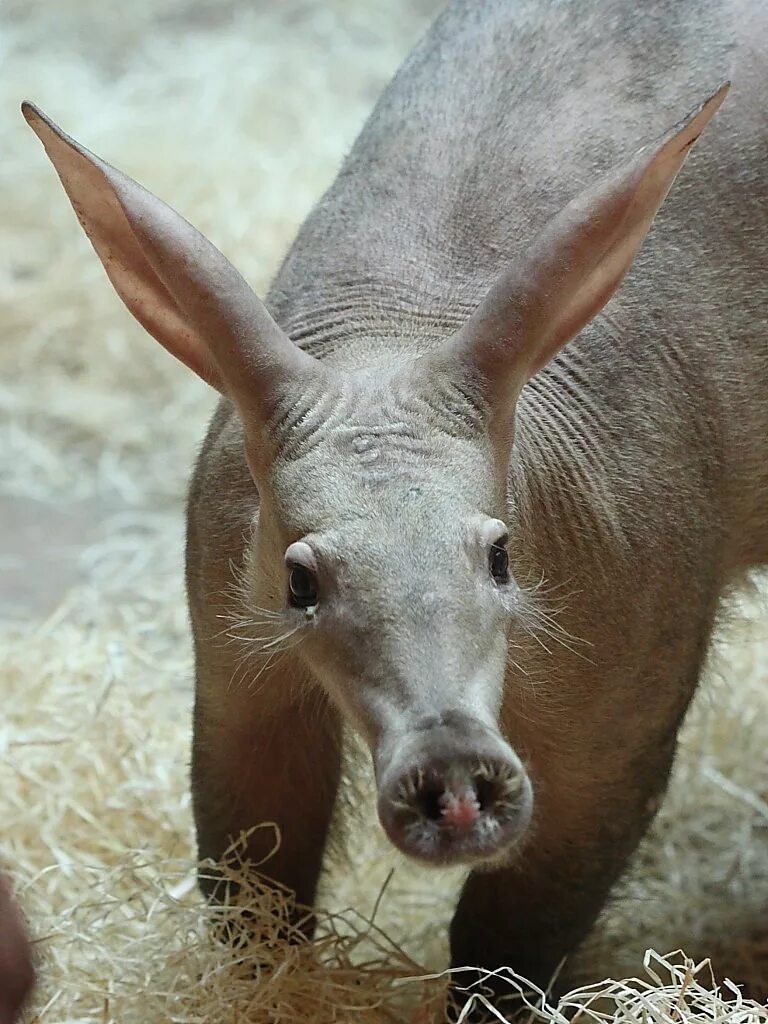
467	808
428	799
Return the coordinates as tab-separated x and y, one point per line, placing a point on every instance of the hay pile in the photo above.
238	112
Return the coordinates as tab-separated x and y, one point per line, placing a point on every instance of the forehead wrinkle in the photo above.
379	450
369	446
381	429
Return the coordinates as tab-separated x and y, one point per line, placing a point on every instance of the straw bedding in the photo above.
238	112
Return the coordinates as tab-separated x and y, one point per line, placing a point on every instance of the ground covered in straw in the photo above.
238	113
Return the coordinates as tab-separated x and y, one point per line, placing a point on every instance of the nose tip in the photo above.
467	809
459	810
456	796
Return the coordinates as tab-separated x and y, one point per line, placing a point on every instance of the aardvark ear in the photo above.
175	282
569	272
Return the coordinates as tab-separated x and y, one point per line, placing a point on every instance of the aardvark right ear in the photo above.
174	281
570	271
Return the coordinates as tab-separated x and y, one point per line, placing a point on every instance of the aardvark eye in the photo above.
498	561
302	587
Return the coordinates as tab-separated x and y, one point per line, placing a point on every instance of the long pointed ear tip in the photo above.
38	121
680	137
54	139
31	112
711	104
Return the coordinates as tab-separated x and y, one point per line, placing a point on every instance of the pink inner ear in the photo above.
87	182
575	317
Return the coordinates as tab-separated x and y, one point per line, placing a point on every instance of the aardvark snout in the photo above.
455	797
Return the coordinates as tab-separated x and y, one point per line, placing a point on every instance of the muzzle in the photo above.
454	792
